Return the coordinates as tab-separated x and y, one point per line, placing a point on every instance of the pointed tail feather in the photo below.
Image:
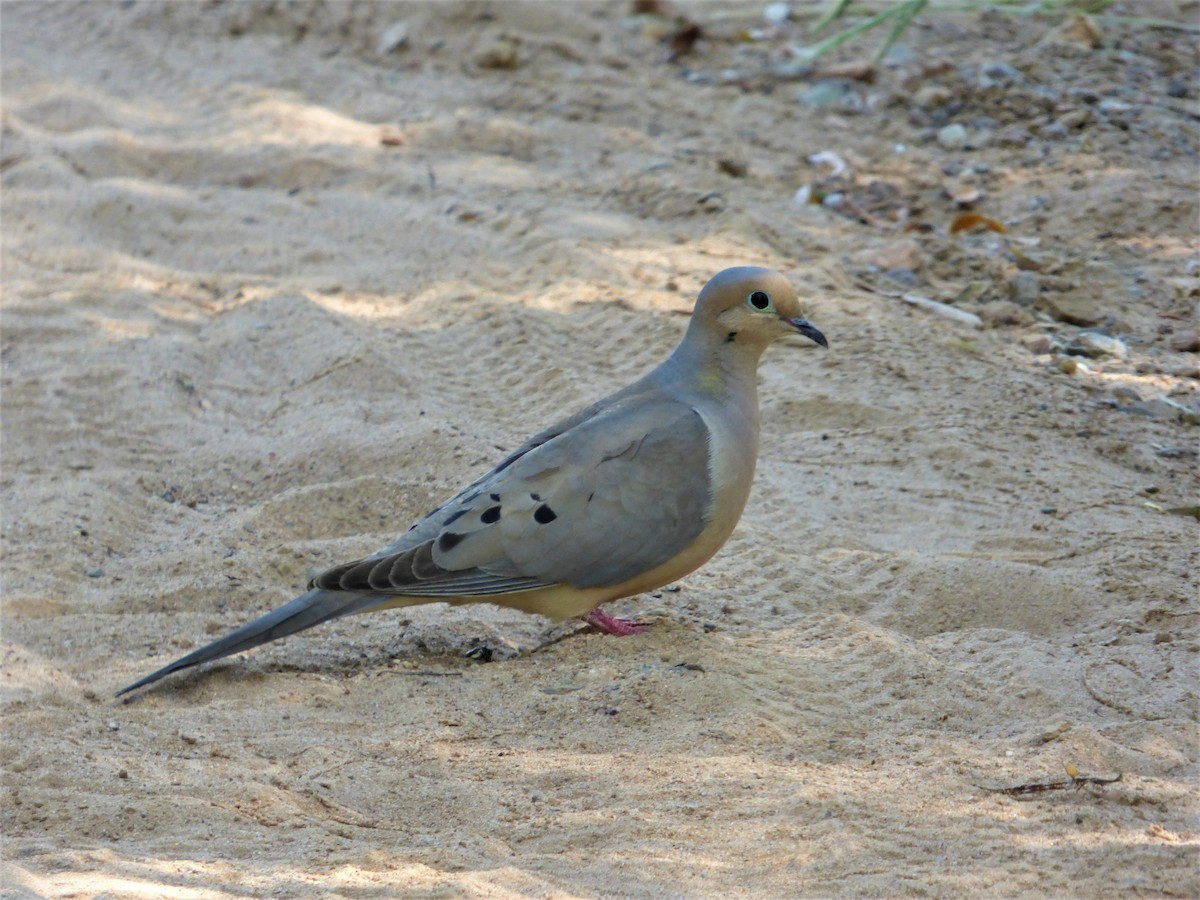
305	611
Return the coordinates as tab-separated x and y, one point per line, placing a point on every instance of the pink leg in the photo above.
598	618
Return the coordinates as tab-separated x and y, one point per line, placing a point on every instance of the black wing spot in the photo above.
544	515
495	498
490	515
449	540
536	498
729	337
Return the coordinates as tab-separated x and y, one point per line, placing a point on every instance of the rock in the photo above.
836	165
1003	312
1075	118
1164	407
904	277
393	39
932	95
899	255
736	168
972	292
777	13
997	73
1079	30
1038	344
501	52
952	137
1013	136
1024	288
963	194
1095	345
1075	308
1055	131
1181	370
1186	341
1068	364
839	93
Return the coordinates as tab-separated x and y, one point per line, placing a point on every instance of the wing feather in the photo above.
609	496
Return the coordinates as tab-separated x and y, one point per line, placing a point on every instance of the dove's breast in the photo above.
732	452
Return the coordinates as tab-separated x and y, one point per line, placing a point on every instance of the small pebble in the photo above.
998	73
1049	510
1186	342
952	137
735	168
95	573
393	39
1024	288
1003	312
1038	344
1055	131
1095	345
1067	364
503	52
840	93
777	13
903	277
1013	136
931	95
1075	118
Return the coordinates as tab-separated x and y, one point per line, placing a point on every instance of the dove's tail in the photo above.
307	610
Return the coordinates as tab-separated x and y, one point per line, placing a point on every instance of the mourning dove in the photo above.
635	491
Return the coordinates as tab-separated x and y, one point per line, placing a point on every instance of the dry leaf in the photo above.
685	39
971	221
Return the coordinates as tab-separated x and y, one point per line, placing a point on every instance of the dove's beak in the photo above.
809	330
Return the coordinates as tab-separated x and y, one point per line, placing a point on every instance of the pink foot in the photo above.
613	625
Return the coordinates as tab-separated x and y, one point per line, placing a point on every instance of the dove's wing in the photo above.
611	496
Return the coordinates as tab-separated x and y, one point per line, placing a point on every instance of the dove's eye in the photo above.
759	300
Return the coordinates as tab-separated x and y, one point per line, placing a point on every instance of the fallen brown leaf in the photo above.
972	221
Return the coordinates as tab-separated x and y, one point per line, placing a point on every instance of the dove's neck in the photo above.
718	367
719	379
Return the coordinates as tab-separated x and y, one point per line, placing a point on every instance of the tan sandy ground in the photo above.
269	296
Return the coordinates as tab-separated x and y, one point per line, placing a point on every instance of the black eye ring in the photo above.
759	300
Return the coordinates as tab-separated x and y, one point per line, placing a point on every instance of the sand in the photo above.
269	295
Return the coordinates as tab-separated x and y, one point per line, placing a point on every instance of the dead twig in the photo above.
1073	780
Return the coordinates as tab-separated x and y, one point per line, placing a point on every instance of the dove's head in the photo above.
751	307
